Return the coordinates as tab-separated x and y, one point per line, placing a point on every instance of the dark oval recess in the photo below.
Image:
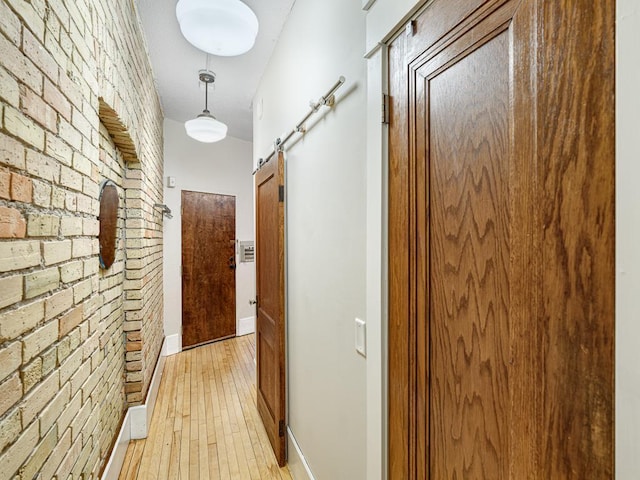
109	201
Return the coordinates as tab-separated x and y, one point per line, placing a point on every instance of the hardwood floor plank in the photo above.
205	423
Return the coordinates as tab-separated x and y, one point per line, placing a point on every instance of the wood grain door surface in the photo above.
501	232
270	324
208	267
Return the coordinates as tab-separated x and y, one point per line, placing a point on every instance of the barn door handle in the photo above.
232	263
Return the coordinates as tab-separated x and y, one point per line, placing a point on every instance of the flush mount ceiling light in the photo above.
220	27
205	128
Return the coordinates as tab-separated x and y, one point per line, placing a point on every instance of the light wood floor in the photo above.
205	423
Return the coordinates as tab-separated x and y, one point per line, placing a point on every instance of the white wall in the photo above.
224	167
326	229
627	241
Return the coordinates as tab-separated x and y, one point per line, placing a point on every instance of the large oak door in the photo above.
501	231
208	267
270	324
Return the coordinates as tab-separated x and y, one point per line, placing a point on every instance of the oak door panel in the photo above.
208	267
501	236
270	324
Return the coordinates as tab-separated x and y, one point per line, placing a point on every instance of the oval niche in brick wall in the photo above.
109	202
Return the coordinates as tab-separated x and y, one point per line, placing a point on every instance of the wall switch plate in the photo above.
361	337
171	182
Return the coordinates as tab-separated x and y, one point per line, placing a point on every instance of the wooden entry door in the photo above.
208	267
501	235
270	324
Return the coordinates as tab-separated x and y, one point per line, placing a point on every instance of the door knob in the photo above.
232	262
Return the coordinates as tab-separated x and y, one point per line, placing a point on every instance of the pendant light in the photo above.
205	128
219	27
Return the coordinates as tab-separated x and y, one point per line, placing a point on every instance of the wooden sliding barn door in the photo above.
501	232
270	323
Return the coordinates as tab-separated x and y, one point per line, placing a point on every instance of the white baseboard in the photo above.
136	421
173	343
296	462
116	459
246	326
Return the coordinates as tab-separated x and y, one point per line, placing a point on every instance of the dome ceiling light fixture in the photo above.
220	27
205	128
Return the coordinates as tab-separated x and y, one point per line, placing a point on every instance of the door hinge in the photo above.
281	428
385	109
281	193
410	28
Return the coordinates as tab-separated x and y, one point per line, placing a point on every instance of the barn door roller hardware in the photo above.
327	100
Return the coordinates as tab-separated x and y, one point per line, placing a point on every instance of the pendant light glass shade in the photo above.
219	27
205	128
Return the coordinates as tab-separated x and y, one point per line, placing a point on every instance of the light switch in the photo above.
171	182
361	337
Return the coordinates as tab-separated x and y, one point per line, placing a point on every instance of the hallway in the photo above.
205	424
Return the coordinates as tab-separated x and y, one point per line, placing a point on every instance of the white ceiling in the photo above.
176	64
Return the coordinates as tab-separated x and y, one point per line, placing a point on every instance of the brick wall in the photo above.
77	344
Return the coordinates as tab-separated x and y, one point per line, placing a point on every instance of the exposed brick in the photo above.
32	18
10	360
41	194
58	303
11	460
12	224
21	188
24	128
40	282
42	166
82	290
10	392
19	65
57	148
34	49
11	152
37	459
70	134
39	341
18	255
34	106
10	91
10	26
16	322
38	398
70	272
90	227
54	97
80	122
70	321
43	225
10	293
49	361
77	379
82	247
71	226
52	412
31	374
10	428
56	252
58	454
5	184
70	178
70	365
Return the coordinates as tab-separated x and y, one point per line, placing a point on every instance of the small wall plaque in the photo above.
109	203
